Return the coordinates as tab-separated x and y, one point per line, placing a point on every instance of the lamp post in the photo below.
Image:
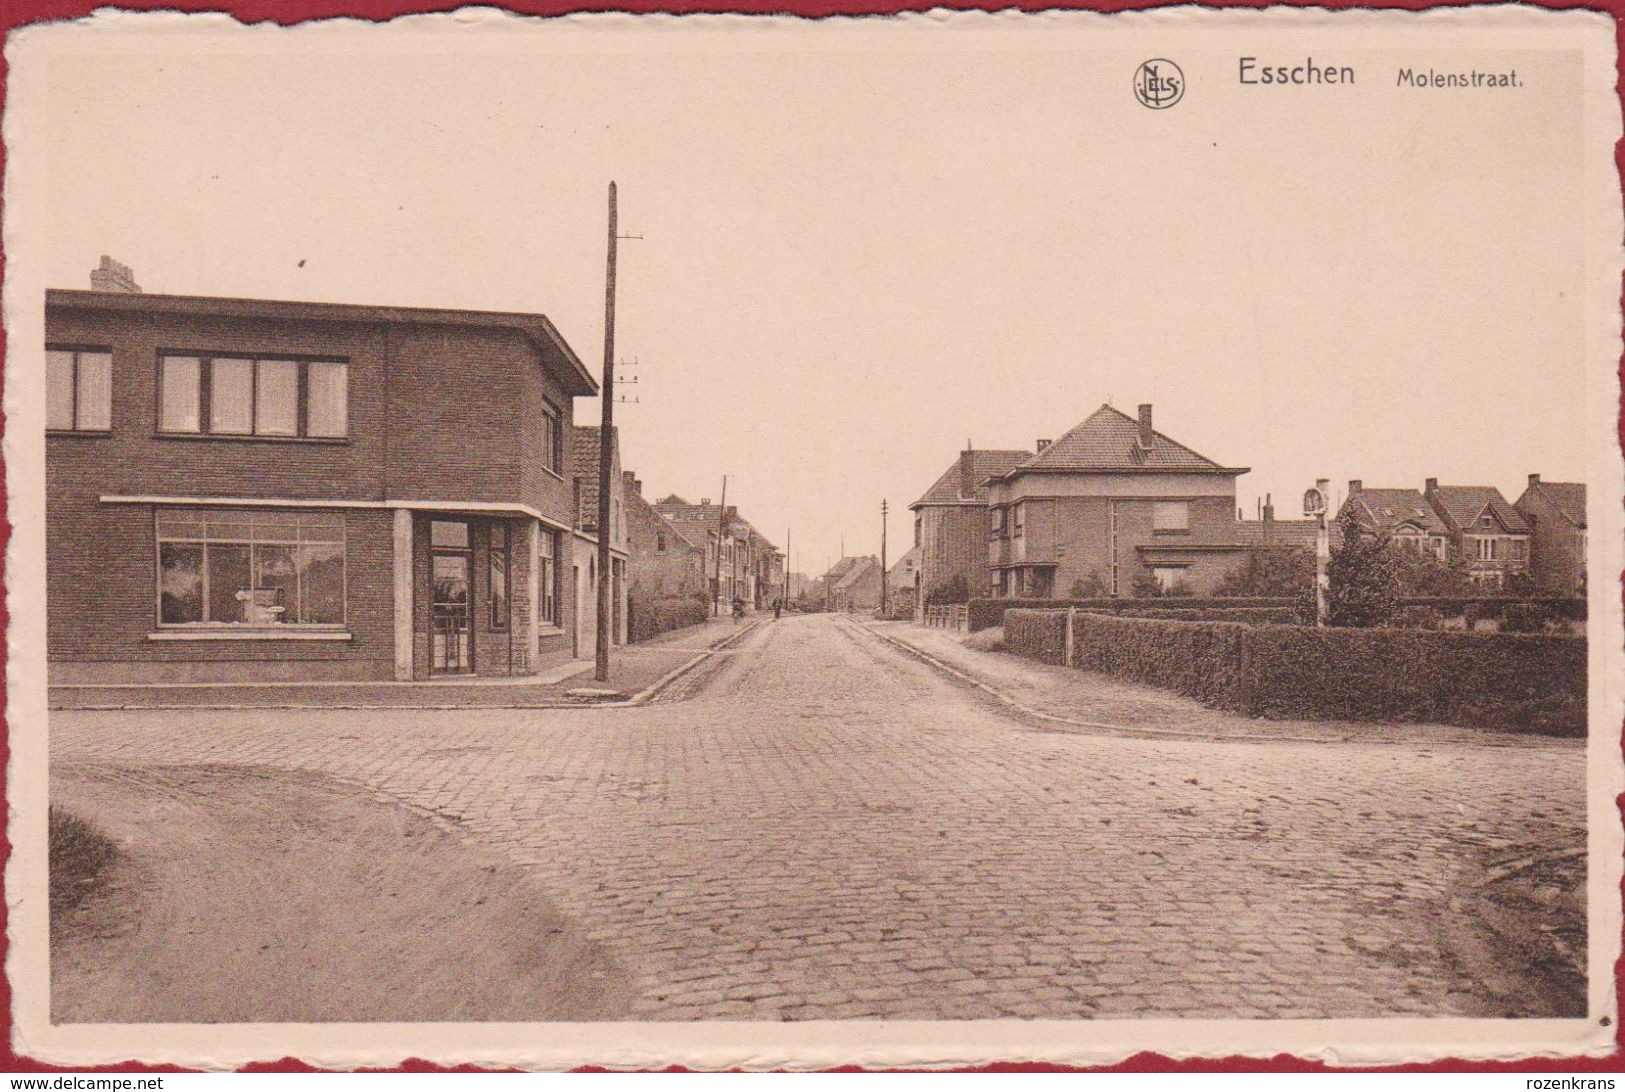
1314	505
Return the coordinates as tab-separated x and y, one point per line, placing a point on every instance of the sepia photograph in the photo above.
743	541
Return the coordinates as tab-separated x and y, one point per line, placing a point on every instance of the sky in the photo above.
863	245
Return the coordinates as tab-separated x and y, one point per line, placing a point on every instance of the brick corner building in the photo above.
256	490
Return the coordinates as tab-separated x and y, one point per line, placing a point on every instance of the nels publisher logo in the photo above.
1159	84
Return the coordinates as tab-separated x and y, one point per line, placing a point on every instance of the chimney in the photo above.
1041	444
1534	479
1269	521
1146	435
113	276
1433	483
967	473
1355	485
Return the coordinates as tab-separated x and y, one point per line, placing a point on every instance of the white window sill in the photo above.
549	631
250	634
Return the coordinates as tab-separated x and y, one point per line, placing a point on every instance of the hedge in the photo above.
1504	682
1571	609
986	613
1036	634
648	618
1252	616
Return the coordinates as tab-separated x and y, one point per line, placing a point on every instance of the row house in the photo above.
1112	504
249	490
741	562
1473	524
1556	514
586	448
666	562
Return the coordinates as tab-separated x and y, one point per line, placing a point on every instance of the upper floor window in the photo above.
1020	521
1171	515
78	390
552	438
660	543
253	396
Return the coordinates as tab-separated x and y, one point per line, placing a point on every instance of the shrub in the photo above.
988	640
953	592
77	854
1088	587
1530	616
1200	659
1278	570
1418	617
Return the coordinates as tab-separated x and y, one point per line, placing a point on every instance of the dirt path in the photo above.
256	895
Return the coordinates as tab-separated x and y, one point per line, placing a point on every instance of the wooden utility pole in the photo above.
722	531
883	510
606	448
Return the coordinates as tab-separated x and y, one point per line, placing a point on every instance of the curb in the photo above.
1122	730
642	697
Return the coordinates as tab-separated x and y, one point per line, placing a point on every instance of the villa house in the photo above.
1115	500
1556	514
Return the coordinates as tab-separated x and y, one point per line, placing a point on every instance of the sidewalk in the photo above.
634	670
1067	699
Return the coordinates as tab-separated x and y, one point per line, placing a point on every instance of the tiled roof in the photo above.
1569	498
907	563
984	465
1284	532
1108	440
1465	503
681	513
635	502
1385	509
584	465
860	568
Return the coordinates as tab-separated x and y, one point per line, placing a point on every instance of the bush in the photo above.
950	594
77	854
1530	616
988	640
1088	587
1362	581
1277	570
648	618
1421	617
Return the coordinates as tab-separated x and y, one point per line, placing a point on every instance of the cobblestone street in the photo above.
815	825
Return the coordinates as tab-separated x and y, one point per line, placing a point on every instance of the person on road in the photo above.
778	608
739	609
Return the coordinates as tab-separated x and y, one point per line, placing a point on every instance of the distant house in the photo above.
902	582
664	562
1269	533
584	452
852	584
1402	516
1116	500
950	521
750	567
1484	528
1556	514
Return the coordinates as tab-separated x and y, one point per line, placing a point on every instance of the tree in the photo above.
1422	574
1088	587
954	591
1363	580
1276	571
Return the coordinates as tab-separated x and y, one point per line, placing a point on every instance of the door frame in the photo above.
466	553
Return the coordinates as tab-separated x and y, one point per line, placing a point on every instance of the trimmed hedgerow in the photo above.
1499	682
1507	682
1253	616
1036	634
984	613
648	618
1201	659
1496	607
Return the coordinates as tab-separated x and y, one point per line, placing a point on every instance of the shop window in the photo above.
250	567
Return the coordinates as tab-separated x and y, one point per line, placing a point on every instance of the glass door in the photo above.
451	607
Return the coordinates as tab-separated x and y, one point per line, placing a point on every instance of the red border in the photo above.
18	13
